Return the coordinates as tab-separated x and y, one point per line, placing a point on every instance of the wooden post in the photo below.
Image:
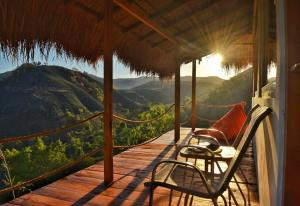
292	98
177	104
254	60
262	43
254	76
193	95
108	78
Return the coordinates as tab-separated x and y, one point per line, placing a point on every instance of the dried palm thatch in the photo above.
74	28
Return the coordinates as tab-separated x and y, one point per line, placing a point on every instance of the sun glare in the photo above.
213	61
210	65
218	58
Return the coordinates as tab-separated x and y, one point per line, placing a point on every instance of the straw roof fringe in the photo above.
74	29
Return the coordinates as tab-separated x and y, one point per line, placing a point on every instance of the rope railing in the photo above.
52	172
48	132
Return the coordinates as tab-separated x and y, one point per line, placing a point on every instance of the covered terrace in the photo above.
154	37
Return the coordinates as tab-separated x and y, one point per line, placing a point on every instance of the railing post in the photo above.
262	38
193	95
177	104
108	79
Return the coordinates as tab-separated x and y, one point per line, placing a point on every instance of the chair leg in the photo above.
247	185
224	200
214	200
170	198
186	199
233	197
240	190
151	196
229	198
191	201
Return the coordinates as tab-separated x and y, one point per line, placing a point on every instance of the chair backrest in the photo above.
244	127
257	117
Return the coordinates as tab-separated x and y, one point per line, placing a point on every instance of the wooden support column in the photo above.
254	60
292	88
193	95
262	43
177	105
108	79
254	76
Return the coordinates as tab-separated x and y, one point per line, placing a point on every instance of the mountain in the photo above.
34	98
238	88
162	91
38	97
130	83
125	83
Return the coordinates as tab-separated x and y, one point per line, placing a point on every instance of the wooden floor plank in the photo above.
132	168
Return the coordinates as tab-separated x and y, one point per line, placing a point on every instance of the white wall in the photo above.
268	155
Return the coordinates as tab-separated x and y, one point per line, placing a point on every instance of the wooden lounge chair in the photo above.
188	178
225	154
211	132
227	151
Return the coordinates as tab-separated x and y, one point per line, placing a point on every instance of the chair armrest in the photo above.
205	137
211	130
200	148
188	164
205	149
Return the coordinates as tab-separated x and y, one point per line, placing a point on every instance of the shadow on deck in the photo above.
131	169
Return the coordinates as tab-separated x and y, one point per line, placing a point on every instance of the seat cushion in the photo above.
231	123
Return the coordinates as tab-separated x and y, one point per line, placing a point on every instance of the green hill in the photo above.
125	83
236	89
37	97
232	91
34	98
162	91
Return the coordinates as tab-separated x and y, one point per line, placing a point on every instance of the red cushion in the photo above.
231	123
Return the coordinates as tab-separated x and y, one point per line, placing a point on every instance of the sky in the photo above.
209	66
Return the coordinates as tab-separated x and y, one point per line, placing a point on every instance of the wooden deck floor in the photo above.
131	169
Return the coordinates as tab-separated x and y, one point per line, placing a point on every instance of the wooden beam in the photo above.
177	105
254	67
262	43
290	94
171	23
239	6
108	79
193	95
212	22
145	20
202	43
180	43
164	10
188	48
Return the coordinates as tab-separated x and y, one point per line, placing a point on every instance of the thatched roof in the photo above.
75	29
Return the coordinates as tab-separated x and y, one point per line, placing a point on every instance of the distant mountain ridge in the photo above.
38	97
157	91
125	83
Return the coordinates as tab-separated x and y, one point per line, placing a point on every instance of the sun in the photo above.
210	65
213	60
218	58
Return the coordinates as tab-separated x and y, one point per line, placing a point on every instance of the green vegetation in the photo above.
27	160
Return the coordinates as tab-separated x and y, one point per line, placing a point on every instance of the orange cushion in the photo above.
231	123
